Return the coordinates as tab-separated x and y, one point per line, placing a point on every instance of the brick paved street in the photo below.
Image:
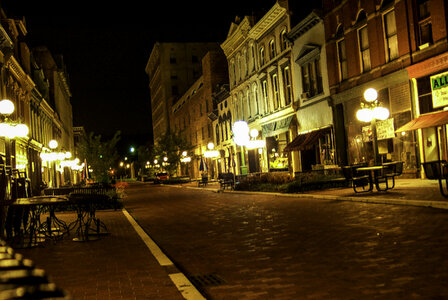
267	247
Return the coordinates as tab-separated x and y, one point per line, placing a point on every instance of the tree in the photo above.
171	145
99	155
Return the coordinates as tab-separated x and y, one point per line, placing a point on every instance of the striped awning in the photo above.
425	121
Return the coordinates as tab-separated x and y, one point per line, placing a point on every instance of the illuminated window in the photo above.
265	96
283	40
261	56
272	52
287	83
390	32
276	91
342	57
364	49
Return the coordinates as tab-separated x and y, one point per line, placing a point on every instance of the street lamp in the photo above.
370	112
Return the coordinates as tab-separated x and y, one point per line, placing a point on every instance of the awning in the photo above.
277	127
305	141
426	121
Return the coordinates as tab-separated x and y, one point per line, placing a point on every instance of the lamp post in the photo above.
371	111
10	130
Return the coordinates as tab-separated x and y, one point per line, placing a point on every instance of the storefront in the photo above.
315	140
430	87
277	135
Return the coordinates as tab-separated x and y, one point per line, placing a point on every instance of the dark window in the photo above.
424	23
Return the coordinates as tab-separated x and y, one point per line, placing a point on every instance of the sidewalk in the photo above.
117	266
415	192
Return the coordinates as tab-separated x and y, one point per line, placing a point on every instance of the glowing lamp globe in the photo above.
21	130
254	133
53	144
364	115
6	107
210	146
241	132
380	113
370	95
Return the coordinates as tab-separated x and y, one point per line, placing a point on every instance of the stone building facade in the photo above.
172	68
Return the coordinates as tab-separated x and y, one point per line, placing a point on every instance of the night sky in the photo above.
106	47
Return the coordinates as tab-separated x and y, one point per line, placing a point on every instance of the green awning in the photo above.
277	127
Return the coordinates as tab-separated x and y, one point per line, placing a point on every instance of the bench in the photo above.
356	180
391	170
226	180
438	170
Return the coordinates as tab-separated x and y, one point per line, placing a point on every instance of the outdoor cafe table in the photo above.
374	172
37	205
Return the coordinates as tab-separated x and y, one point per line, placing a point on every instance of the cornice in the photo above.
236	39
305	25
20	74
267	21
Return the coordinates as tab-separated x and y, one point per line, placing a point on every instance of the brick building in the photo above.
172	68
367	44
190	113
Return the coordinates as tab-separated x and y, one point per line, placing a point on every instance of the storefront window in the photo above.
278	159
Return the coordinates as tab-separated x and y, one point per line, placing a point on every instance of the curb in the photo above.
387	201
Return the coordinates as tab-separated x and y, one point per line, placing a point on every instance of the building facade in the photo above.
172	68
45	110
259	60
314	146
190	114
367	44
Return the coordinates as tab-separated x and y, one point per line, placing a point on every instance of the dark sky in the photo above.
106	45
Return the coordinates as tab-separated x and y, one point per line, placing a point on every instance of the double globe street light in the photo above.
371	111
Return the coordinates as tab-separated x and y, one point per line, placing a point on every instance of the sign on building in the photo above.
439	89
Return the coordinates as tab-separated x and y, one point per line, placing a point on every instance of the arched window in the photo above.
272	52
283	40
342	57
256	104
217	134
249	104
363	41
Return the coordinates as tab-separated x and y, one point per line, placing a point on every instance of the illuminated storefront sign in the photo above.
439	89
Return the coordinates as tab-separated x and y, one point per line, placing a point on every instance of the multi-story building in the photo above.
427	47
59	94
42	102
172	69
259	59
369	45
313	147
190	114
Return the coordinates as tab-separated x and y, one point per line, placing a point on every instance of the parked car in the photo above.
161	177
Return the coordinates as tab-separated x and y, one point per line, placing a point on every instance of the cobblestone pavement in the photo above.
267	247
117	266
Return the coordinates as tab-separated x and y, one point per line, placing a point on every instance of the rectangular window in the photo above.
363	39
342	60
265	96
288	87
312	78
424	23
390	30
276	91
